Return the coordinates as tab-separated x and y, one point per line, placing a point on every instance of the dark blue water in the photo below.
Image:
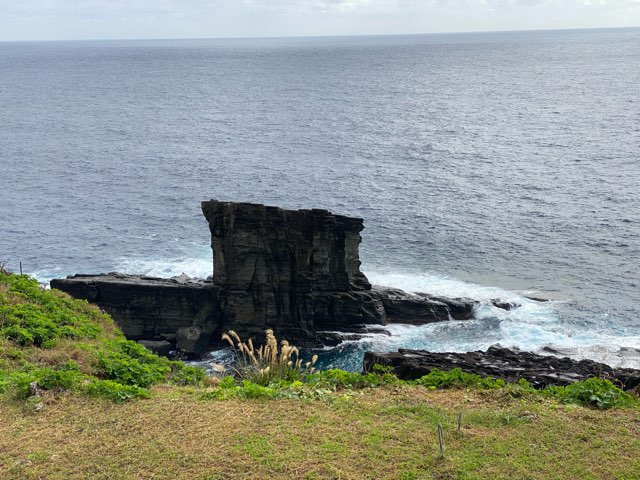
488	165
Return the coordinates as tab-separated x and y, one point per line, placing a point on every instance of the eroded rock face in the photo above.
421	308
290	270
153	309
296	272
256	247
509	365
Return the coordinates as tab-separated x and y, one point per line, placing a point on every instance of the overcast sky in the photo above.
107	19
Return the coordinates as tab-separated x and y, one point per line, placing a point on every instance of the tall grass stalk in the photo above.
268	363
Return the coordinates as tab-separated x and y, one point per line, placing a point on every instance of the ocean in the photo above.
487	165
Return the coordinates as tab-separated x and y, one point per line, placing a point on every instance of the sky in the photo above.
114	19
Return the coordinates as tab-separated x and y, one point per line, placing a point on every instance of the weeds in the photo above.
593	392
457	378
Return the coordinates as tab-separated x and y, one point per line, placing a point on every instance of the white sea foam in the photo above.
531	326
200	265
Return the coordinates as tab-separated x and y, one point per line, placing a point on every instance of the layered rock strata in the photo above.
295	271
509	365
291	270
164	314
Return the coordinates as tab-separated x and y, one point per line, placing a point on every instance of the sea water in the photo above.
493	165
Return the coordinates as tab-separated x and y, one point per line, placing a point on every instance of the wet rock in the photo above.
509	365
498	303
421	308
537	299
332	339
194	340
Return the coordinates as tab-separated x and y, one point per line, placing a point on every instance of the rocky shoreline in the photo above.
508	365
298	272
295	271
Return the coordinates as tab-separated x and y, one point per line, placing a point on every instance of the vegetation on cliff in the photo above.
51	342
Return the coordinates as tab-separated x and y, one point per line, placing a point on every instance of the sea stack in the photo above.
292	270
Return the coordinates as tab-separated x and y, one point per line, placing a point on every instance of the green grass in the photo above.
385	433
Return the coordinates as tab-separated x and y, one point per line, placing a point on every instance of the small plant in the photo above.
457	378
336	379
129	363
186	375
115	391
267	363
593	392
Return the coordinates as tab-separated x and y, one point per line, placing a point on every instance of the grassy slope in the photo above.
49	341
385	432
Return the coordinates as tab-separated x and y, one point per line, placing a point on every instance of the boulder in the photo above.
194	340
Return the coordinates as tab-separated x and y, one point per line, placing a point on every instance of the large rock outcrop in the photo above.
257	247
168	314
295	271
509	365
291	270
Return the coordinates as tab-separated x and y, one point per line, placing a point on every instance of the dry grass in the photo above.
382	434
65	350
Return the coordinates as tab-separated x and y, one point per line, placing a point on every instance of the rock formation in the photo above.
295	271
165	314
256	247
509	365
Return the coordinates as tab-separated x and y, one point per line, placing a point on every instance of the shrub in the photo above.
34	316
593	392
129	363
67	377
186	374
339	379
115	391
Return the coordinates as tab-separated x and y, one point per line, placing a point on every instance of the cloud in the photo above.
210	18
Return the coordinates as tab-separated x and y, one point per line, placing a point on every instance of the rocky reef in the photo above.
295	271
509	365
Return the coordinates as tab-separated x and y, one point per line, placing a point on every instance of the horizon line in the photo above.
347	35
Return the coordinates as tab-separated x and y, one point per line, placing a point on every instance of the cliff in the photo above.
295	271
